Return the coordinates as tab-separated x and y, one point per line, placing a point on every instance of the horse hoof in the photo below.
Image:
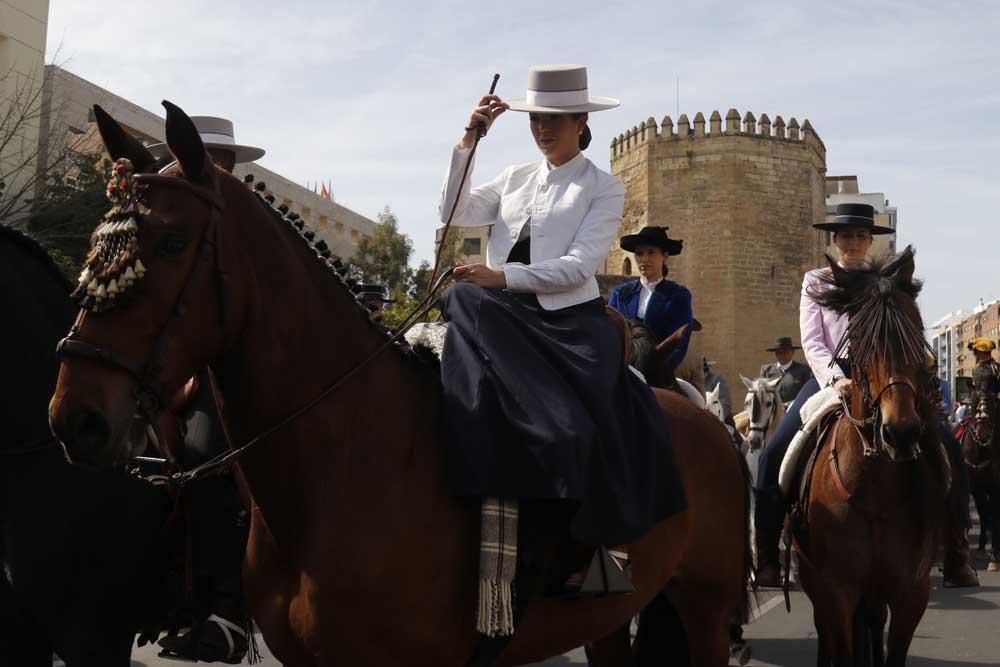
742	652
993	566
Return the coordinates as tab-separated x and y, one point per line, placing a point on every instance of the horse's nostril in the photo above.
87	433
902	435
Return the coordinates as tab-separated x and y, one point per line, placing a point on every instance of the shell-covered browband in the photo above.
113	265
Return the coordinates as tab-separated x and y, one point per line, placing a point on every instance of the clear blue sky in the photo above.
372	95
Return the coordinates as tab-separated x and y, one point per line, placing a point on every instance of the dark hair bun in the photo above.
585	138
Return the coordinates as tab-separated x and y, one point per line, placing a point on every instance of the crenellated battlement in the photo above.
750	126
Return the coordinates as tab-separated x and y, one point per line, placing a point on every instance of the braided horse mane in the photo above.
338	269
33	248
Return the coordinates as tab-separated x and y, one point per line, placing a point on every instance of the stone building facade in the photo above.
75	97
950	338
23	32
743	194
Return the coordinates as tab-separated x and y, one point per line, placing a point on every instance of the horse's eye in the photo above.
171	246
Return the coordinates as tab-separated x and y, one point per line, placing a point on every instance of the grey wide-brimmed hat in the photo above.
215	133
560	89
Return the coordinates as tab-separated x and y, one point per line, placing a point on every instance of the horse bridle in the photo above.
874	419
774	406
148	393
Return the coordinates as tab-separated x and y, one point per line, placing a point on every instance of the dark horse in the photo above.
979	449
355	536
78	541
868	532
649	356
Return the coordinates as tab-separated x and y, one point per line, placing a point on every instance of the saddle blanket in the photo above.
818	406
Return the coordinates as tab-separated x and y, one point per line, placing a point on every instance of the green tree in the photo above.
70	209
384	257
450	254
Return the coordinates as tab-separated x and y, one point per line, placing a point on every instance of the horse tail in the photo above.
749	587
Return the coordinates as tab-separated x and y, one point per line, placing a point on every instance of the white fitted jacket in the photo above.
575	211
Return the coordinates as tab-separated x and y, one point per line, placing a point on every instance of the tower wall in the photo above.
743	195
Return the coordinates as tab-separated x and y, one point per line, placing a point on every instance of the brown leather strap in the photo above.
838	478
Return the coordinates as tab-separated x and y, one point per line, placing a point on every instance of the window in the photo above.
472	247
627	267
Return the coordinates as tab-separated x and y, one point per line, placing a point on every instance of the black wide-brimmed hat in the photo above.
783	342
368	293
654	236
859	216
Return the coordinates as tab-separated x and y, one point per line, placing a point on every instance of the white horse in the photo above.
764	410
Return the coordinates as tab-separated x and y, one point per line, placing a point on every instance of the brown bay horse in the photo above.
979	450
876	496
358	553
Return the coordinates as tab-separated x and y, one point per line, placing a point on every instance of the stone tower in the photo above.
743	200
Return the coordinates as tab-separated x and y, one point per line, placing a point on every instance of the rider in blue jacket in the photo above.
661	305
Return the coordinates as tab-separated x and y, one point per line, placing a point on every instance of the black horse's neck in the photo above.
35	299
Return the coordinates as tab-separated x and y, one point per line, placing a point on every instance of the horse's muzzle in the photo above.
901	438
85	433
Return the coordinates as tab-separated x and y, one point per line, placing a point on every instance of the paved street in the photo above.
959	628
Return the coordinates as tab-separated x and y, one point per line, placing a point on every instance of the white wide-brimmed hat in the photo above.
560	89
215	133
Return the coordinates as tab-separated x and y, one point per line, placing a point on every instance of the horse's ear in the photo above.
121	144
670	343
773	384
185	143
714	394
838	271
901	267
747	382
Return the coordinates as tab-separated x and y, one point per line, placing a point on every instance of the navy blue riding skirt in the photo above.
540	404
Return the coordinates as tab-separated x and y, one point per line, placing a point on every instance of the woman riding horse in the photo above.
986	384
821	331
662	305
538	401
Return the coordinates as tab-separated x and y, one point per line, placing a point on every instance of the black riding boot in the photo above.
768	519
958	570
219	534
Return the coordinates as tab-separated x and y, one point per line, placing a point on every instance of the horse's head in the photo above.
885	340
650	357
153	306
714	404
763	403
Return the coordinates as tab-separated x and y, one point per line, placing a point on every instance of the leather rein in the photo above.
871	451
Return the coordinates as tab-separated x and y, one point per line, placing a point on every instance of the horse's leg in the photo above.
907	610
876	624
982	501
615	650
706	617
271	590
660	634
993	502
833	615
